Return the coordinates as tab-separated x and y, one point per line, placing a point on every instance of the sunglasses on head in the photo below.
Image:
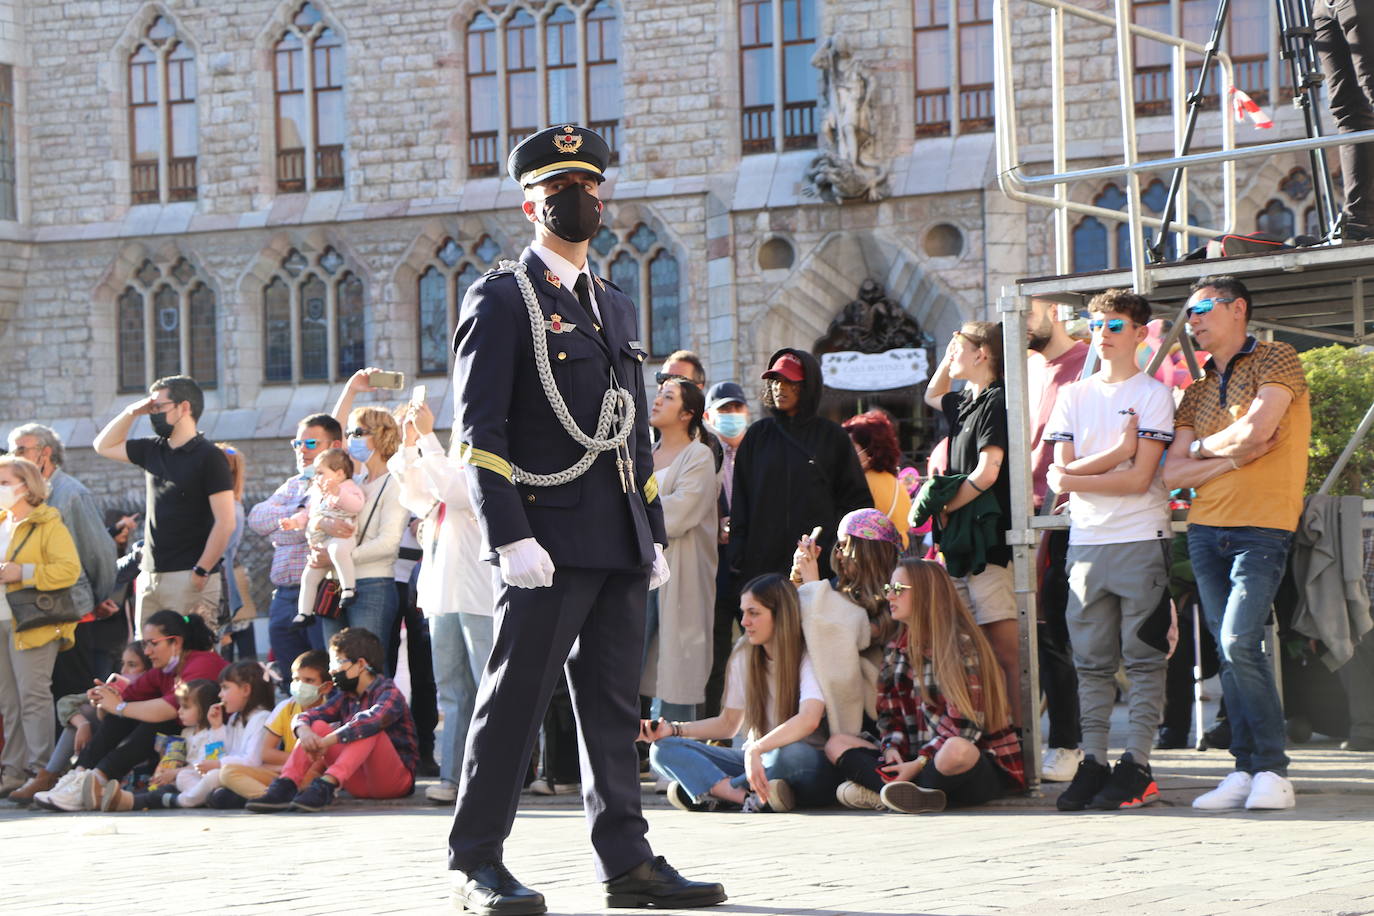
1203	306
893	589
358	433
1115	325
662	377
305	443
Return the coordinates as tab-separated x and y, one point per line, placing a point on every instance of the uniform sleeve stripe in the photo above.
485	460
651	488
1058	437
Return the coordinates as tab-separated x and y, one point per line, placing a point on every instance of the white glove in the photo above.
660	573
524	564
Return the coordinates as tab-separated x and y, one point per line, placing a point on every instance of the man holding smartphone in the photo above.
552	419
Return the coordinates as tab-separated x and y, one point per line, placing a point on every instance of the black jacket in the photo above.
504	418
792	474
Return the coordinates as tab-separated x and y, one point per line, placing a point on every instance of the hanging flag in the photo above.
1244	107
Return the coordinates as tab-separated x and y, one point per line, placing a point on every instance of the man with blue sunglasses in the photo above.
1240	441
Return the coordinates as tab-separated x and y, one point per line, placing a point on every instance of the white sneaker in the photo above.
1060	764
1233	792
441	793
67	794
859	798
1269	790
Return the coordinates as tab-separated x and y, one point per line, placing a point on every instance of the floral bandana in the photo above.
870	525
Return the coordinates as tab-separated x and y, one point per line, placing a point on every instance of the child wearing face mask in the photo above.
333	494
243	779
201	714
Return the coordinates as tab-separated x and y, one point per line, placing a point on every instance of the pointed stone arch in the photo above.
829	277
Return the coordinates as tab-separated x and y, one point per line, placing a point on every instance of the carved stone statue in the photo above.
848	166
872	323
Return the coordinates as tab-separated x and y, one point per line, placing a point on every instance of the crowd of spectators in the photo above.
877	658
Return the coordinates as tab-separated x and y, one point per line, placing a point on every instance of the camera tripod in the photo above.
1297	48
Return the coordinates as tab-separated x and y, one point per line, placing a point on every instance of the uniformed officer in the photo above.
552	419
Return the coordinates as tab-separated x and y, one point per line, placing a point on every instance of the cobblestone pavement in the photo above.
1019	856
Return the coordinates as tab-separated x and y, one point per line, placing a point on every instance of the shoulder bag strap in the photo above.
27	534
358	538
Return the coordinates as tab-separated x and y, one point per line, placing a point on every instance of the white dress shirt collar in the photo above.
567	274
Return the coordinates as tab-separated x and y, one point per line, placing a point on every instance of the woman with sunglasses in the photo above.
180	648
977	417
944	720
373	436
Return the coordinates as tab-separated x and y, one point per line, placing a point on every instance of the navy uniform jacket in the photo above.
504	417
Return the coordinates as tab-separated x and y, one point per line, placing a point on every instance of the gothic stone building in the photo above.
268	194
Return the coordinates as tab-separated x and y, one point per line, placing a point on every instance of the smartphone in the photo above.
116	680
884	775
417	397
815	534
390	380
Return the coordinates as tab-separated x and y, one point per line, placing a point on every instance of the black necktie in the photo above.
583	288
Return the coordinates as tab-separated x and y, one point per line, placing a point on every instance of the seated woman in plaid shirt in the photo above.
945	738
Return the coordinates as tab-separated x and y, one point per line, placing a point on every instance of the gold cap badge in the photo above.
568	142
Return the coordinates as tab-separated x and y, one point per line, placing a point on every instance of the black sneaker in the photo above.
1131	786
682	800
277	797
1087	782
315	797
225	799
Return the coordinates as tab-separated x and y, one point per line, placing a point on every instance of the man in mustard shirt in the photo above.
1240	440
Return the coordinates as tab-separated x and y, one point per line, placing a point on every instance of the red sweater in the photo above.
155	683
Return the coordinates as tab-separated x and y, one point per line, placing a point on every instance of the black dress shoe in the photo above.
655	883
1172	739
491	890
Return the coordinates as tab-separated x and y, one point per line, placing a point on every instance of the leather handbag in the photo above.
33	607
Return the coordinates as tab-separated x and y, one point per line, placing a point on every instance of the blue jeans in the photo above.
375	606
288	644
460	644
700	766
1238	572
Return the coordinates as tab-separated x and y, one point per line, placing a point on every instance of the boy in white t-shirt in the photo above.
1110	431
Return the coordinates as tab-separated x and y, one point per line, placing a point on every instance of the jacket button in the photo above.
562	355
531	496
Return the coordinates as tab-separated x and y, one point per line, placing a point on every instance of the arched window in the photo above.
163	132
557	59
772	30
313	318
442	286
166	326
308	76
1277	220
639	262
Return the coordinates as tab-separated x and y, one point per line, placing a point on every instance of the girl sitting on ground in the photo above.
944	719
246	698
845	619
770	688
201	715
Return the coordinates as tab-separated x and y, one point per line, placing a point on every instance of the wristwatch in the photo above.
1195	450
119	707
207	573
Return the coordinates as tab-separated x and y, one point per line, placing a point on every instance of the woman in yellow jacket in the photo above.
36	551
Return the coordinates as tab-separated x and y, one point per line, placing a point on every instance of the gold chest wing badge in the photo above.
556	325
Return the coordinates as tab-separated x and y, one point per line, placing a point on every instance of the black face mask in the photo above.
160	424
344	682
572	214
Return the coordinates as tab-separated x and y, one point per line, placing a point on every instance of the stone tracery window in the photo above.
308	78
638	262
442	286
166	325
313	318
162	116
544	62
